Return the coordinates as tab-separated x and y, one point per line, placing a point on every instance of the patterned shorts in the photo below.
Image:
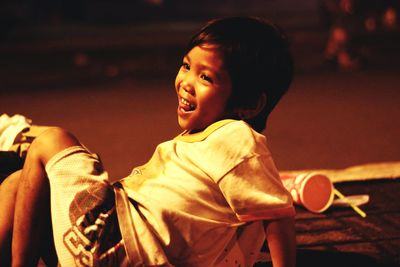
85	224
94	238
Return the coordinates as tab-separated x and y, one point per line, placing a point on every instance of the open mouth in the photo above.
185	105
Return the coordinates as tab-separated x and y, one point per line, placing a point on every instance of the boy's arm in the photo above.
281	239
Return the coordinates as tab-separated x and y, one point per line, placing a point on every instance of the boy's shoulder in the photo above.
221	147
238	135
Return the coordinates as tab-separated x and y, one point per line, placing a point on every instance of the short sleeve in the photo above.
254	190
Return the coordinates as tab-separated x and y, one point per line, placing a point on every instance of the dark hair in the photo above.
257	58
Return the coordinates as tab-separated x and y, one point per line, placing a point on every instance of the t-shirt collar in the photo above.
200	136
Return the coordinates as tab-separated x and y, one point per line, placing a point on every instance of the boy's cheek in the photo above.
178	77
177	82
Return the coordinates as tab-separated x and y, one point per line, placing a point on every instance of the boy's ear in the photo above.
248	113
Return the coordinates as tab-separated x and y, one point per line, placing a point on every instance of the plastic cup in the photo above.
314	191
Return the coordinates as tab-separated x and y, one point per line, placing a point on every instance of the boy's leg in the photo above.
31	206
47	250
8	192
82	203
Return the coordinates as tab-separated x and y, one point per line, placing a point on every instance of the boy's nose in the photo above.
187	85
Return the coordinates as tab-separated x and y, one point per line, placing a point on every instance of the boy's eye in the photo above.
206	78
185	66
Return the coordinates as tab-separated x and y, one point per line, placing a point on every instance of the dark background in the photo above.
105	70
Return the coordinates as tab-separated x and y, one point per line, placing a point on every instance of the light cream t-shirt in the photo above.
202	197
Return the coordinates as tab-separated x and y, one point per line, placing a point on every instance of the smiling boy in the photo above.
203	87
208	197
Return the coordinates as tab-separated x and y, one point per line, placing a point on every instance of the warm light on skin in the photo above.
203	87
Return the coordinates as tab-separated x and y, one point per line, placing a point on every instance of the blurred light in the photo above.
370	24
346	6
339	35
81	60
111	71
390	18
155	2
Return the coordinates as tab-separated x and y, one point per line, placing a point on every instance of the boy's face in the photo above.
203	87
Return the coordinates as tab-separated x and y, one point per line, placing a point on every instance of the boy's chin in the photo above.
183	125
187	126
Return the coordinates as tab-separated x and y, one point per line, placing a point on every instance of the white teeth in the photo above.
186	103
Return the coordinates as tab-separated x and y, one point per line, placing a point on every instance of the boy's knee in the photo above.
50	142
11	182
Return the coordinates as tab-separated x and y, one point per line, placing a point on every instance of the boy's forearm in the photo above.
281	238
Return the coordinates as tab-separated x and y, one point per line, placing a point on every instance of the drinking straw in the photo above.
355	208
